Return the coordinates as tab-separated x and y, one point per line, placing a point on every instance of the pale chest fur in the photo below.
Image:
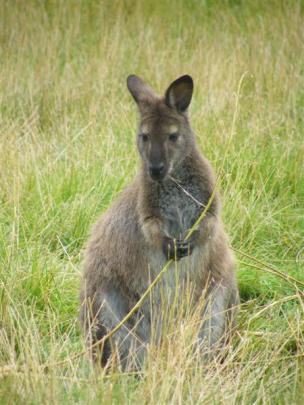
178	211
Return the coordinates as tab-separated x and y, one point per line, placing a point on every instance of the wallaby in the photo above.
147	225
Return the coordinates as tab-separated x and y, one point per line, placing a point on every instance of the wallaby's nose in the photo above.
157	171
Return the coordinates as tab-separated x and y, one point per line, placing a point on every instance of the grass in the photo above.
67	142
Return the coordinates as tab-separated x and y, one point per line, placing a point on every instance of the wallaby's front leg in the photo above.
176	249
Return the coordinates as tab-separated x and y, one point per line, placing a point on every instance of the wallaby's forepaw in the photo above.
176	249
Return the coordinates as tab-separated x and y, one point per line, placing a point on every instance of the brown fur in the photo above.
150	218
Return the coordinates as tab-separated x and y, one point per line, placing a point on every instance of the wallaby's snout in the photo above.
154	154
157	171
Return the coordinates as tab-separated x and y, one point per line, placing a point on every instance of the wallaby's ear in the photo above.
179	93
141	92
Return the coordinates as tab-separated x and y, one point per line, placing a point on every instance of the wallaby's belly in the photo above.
179	288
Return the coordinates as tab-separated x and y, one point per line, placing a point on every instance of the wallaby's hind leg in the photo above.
218	317
101	316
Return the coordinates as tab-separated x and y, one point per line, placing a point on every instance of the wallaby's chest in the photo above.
178	210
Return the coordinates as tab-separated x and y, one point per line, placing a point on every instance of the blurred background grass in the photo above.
67	139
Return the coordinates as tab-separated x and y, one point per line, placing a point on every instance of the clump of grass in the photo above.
67	146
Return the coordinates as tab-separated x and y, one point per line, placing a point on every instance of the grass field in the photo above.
67	142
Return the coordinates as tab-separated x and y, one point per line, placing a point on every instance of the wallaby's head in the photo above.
164	136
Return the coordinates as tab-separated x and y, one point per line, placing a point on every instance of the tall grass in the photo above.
67	148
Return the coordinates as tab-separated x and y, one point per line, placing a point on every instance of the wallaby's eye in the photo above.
144	137
173	137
